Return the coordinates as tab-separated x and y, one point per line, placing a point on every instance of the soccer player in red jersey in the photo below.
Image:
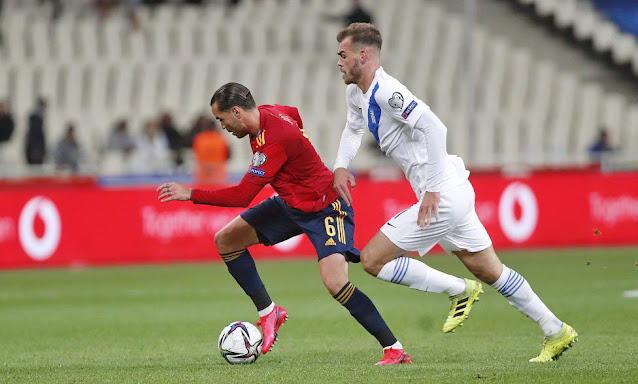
306	203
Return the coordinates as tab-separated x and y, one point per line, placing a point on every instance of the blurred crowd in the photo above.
158	143
157	139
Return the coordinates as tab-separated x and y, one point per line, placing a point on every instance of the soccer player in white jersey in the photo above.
409	132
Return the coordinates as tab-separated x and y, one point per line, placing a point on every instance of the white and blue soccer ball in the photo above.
240	343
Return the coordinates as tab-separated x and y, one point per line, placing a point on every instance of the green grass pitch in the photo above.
159	324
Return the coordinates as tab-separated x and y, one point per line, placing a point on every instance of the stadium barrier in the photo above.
91	225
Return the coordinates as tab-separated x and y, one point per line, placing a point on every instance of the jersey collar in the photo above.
377	74
262	120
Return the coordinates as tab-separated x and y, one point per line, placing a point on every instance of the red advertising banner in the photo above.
89	225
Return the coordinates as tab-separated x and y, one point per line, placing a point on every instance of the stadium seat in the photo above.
586	23
137	45
545	7
74	78
586	126
124	78
634	62
49	82
485	137
62	39
537	113
112	33
4	79
86	32
296	73
23	85
187	43
197	88
557	133
604	36
622	49
514	105
98	89
629	143
13	37
39	41
151	75
565	13
494	77
112	163
613	116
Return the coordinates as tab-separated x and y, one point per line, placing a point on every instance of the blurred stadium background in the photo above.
540	98
518	83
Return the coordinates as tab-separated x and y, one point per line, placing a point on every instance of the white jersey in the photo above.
406	130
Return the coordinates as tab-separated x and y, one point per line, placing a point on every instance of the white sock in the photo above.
396	345
517	290
418	275
267	310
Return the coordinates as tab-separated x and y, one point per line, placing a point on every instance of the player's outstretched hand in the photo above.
343	182
429	206
173	191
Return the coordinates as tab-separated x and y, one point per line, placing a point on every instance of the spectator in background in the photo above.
6	123
601	146
67	153
120	139
152	145
211	152
356	14
175	139
200	124
35	144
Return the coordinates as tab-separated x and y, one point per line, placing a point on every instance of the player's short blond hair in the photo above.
361	33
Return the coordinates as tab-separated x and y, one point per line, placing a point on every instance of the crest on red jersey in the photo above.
259	159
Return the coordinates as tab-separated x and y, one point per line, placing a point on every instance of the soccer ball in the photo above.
240	343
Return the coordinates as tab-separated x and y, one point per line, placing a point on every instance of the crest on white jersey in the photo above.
396	101
259	159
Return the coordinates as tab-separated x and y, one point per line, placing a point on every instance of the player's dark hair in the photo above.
361	33
233	95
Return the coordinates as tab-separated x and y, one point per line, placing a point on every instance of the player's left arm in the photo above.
397	102
239	195
261	172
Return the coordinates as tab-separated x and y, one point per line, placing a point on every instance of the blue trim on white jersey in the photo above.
374	115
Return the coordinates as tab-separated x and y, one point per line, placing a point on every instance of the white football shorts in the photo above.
458	227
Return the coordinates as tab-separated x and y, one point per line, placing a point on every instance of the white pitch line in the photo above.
631	294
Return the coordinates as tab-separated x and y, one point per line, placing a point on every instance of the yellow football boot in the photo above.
555	345
461	305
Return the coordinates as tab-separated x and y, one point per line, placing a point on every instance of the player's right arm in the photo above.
348	148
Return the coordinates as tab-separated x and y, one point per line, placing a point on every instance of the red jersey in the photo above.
284	158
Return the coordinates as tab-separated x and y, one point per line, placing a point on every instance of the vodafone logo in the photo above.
39	248
518	229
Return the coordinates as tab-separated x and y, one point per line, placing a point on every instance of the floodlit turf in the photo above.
157	324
